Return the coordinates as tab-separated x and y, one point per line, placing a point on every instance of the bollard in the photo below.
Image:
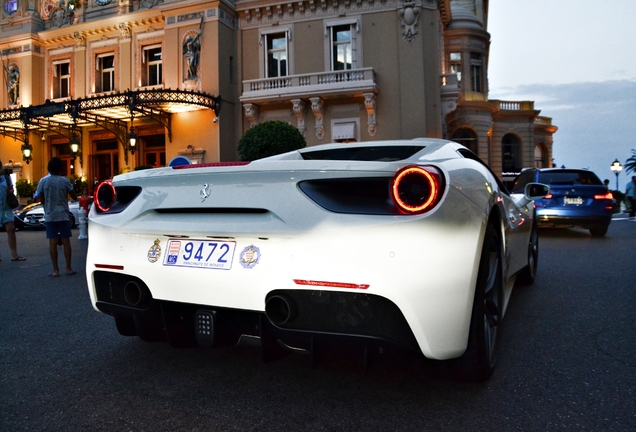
83	225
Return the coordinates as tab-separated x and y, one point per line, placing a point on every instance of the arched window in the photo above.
541	157
466	137
511	154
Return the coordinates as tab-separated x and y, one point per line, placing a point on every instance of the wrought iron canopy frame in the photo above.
110	112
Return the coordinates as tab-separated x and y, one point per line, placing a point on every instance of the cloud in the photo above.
596	120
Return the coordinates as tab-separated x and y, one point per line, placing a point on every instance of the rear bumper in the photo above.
545	220
311	315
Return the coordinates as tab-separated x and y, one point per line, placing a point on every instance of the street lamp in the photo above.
74	144
26	151
616	167
132	140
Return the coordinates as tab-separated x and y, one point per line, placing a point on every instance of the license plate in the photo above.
209	254
577	200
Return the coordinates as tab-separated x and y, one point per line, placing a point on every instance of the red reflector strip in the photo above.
211	164
109	266
330	284
607	196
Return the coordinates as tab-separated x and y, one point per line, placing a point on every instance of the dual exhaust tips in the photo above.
280	309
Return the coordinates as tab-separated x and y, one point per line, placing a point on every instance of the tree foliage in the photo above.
268	139
630	163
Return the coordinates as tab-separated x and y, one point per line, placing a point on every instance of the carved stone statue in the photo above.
192	52
12	78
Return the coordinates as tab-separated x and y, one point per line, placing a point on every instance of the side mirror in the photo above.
535	191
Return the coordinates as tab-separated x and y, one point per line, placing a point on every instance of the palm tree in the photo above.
630	163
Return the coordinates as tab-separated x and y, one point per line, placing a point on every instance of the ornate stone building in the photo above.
84	79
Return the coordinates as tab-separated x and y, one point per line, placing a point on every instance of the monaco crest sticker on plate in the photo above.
155	251
250	256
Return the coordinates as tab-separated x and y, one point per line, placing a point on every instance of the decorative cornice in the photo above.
254	14
90	31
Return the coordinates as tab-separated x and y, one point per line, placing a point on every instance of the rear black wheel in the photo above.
478	362
599	230
529	273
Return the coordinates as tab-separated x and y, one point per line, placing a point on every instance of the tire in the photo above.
529	272
599	230
478	362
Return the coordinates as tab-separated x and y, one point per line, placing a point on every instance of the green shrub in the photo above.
25	188
269	139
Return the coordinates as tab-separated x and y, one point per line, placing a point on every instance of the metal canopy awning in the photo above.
110	112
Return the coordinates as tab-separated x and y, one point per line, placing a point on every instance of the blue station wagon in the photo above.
578	198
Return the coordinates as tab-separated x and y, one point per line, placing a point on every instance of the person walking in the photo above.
6	216
53	191
631	197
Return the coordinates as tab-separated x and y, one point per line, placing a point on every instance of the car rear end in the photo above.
209	255
577	198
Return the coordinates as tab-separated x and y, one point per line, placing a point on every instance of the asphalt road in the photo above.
567	361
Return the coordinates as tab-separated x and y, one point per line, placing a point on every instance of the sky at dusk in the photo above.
577	60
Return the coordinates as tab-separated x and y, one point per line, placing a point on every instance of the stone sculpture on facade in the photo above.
409	14
192	52
12	79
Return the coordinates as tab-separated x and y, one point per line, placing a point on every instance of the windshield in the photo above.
572	177
377	154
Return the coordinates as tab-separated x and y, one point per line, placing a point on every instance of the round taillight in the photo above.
105	195
416	189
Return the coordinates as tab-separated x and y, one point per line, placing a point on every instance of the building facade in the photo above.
85	79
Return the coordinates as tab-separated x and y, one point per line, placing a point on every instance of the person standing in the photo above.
6	216
53	191
631	197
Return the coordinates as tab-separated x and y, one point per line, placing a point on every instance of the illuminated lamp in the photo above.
416	189
132	140
105	195
74	144
26	149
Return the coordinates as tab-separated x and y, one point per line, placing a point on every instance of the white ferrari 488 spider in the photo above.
409	243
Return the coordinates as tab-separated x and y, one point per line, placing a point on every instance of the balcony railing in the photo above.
516	105
319	83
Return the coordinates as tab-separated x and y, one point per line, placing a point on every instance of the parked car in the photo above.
34	217
410	243
578	198
20	213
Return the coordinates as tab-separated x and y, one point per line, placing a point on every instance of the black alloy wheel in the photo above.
529	272
478	362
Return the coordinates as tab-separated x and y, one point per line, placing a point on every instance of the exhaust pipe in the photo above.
281	309
135	294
